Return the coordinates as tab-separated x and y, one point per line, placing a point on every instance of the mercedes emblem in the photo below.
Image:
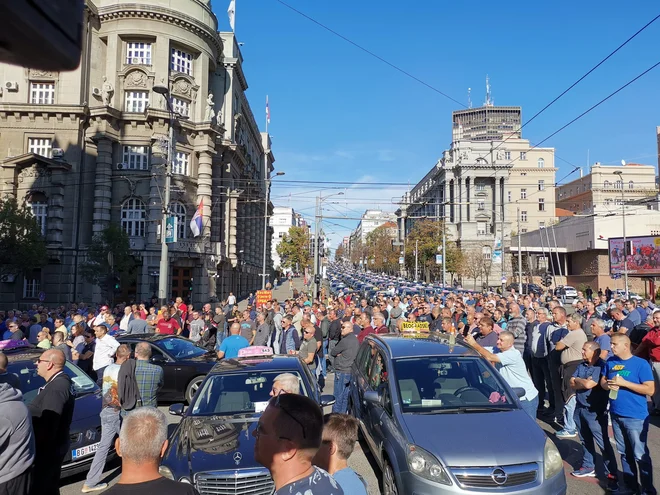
238	457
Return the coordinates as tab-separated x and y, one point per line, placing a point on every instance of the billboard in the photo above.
643	254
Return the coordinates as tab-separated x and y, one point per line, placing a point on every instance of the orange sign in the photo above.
263	296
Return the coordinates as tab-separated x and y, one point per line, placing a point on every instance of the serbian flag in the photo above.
196	222
267	111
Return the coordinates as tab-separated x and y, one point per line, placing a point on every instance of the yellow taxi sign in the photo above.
415	326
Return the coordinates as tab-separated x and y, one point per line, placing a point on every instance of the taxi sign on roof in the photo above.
255	351
415	326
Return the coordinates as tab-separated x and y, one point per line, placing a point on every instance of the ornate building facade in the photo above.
89	147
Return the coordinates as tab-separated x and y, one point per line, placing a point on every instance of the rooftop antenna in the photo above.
469	98
489	101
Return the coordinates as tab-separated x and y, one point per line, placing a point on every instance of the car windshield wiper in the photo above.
465	409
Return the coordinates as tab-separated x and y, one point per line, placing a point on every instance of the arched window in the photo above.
133	217
179	211
606	184
631	185
38	204
618	184
541	162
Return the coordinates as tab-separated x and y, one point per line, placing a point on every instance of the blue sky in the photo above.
338	114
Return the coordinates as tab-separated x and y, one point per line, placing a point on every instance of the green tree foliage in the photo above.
97	265
428	234
379	252
22	246
340	253
294	249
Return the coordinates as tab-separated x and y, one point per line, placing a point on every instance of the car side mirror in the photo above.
158	359
177	409
519	391
327	400
372	396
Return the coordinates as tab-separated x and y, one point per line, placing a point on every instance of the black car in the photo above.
527	288
184	364
85	431
213	446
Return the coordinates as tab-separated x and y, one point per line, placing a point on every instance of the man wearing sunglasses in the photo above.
288	436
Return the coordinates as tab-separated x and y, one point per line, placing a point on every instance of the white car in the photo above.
566	291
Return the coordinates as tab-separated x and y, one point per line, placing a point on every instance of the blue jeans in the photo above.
342	391
592	427
110	422
569	415
631	435
324	348
530	406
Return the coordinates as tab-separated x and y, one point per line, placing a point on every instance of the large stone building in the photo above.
370	221
89	147
488	177
601	189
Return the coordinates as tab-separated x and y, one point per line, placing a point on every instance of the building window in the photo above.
138	53
40	146
481	228
606	184
618	184
523	155
541	185
32	285
181	162
481	205
133	217
540	162
136	157
631	185
136	101
608	201
523	194
541	204
508	195
541	225
523	216
486	253
523	231
181	106
39	208
480	187
507	155
179	211
181	62
42	93
523	174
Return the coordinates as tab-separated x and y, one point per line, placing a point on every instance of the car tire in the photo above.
389	480
192	387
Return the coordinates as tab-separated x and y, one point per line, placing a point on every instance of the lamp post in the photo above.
164	261
267	182
623	219
317	220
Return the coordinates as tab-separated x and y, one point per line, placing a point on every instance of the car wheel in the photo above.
192	388
389	481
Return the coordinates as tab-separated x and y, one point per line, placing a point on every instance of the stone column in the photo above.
156	189
102	185
204	181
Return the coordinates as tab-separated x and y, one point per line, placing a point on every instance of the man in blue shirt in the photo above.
629	380
231	345
340	434
591	415
598	329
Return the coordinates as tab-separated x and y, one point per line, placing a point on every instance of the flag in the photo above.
196	222
231	12
267	111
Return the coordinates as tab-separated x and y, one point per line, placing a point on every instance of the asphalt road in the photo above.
362	462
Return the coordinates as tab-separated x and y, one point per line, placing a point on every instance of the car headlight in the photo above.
424	464
185	480
552	461
166	472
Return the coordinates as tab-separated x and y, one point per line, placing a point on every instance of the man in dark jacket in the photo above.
52	411
17	443
344	353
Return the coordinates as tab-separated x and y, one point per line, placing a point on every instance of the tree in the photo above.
380	252
22	245
96	268
474	265
428	235
294	249
340	253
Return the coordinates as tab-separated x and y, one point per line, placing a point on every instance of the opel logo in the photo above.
499	476
238	457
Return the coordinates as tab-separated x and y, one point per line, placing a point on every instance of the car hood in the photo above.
210	358
205	443
478	439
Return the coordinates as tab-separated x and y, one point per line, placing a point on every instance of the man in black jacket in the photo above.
51	411
344	353
334	334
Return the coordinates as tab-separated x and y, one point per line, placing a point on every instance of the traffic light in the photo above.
116	283
546	280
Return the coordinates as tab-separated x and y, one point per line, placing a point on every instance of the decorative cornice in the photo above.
128	11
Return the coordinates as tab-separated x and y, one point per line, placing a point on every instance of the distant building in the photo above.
282	219
370	221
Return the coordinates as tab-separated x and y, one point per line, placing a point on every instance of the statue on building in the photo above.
218	118
500	154
210	110
107	90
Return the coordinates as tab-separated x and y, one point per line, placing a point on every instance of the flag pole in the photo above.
267	114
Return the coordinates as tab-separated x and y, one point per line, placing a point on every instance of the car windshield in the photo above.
26	371
180	348
442	382
237	393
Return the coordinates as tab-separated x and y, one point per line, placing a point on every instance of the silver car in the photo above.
438	418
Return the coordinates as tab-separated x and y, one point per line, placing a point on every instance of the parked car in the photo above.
566	291
527	288
438	418
85	431
213	446
184	364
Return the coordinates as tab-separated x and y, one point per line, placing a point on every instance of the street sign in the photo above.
170	229
263	296
438	259
504	280
42	296
401	260
397	243
616	276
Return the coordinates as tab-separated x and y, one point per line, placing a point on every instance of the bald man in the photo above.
51	411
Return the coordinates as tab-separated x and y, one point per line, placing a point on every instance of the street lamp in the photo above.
317	220
267	182
164	262
619	173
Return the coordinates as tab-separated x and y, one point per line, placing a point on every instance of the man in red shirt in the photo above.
167	325
366	327
649	348
379	323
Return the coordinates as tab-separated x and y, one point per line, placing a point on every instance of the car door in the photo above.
169	390
379	414
359	379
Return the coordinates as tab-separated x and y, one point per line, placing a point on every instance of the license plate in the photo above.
84	451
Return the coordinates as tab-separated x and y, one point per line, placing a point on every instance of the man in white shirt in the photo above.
105	349
100	319
231	301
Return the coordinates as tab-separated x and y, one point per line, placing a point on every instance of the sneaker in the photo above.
584	472
566	434
612	483
96	488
